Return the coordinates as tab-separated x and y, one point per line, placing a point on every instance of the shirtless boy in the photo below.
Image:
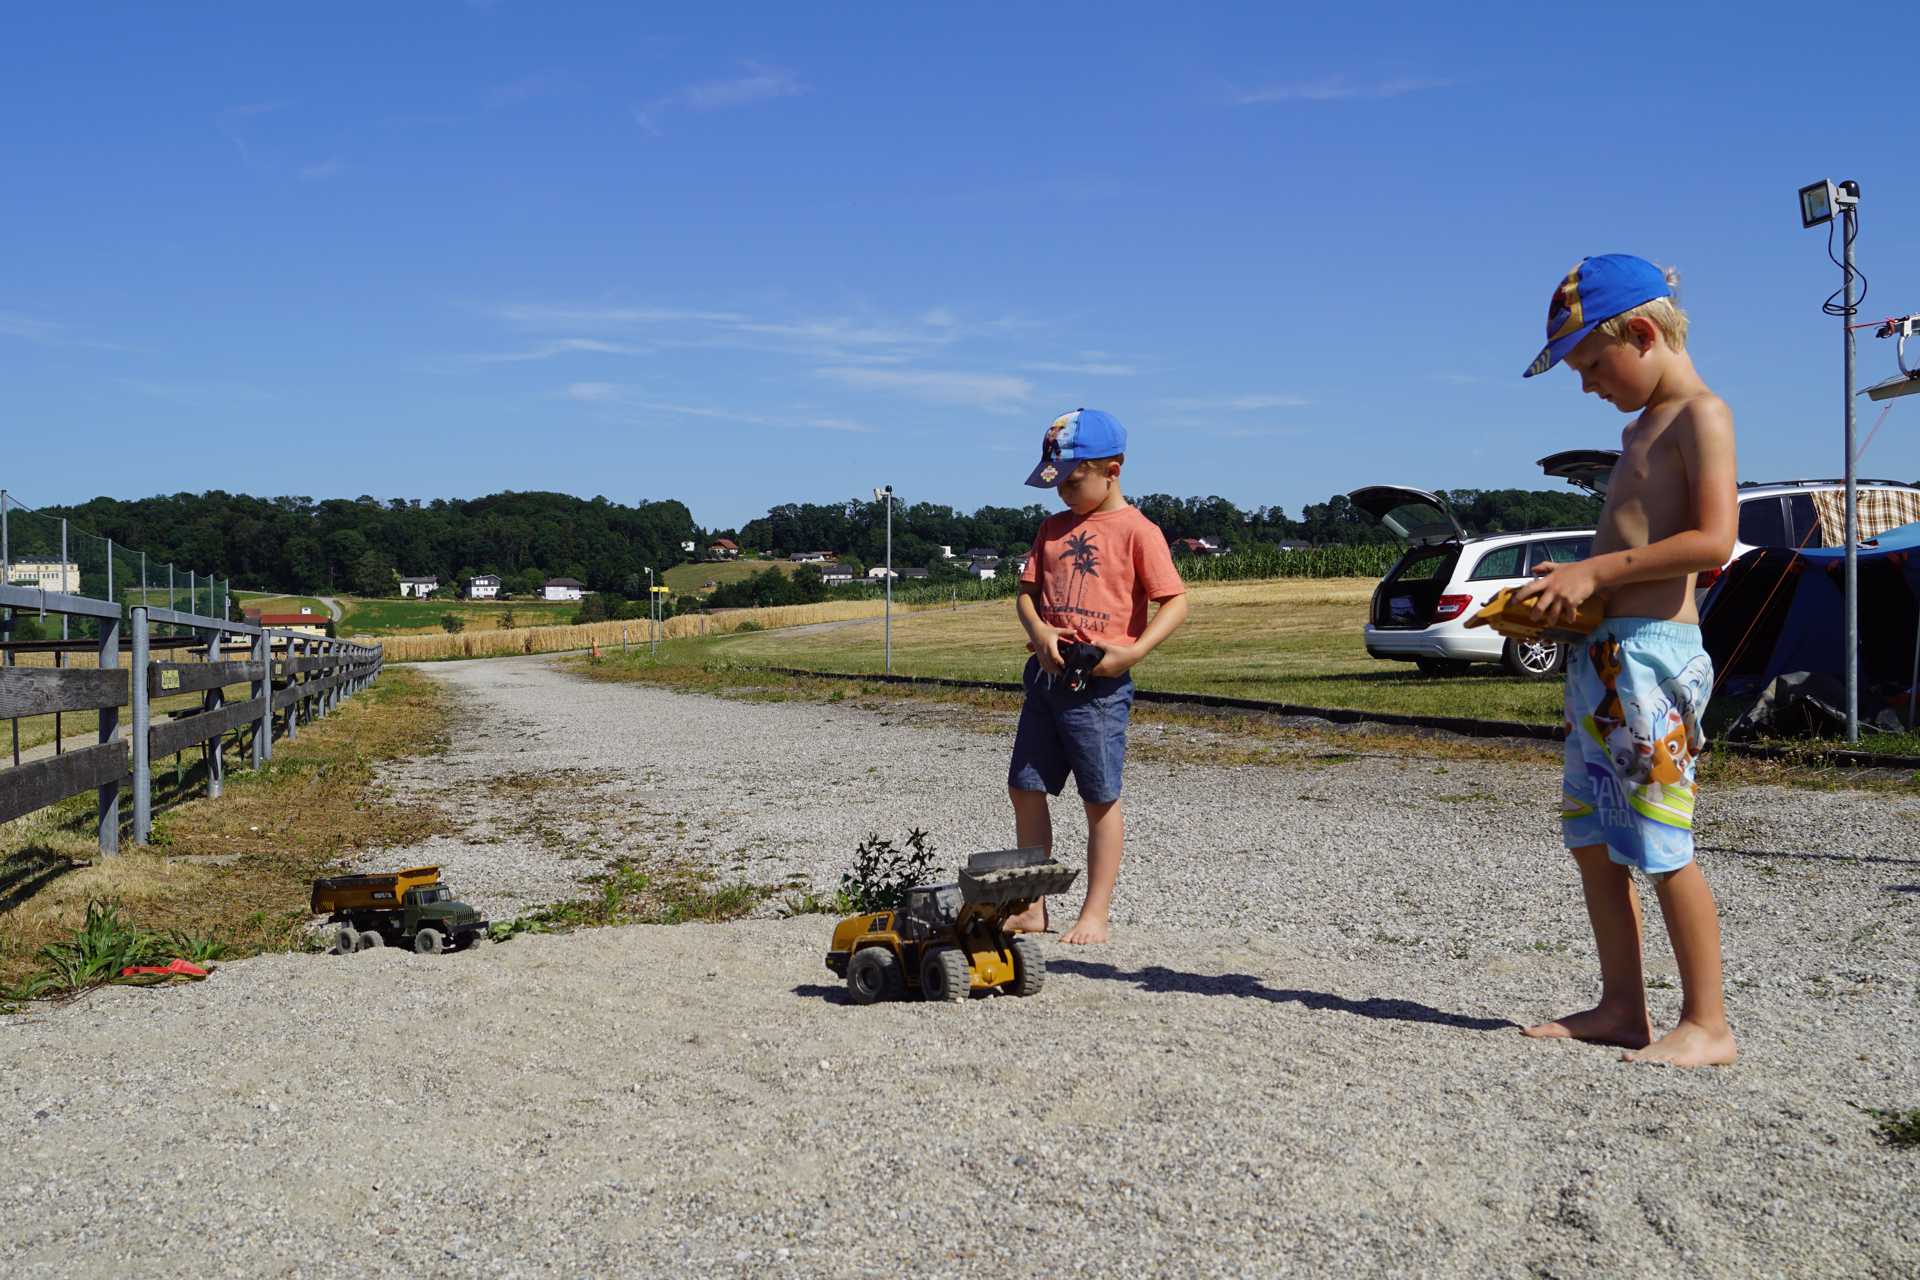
1638	685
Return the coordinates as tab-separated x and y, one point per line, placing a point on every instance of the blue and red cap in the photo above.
1594	292
1072	439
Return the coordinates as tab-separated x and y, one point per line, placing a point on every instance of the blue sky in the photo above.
755	254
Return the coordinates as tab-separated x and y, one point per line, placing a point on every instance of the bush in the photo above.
882	874
452	623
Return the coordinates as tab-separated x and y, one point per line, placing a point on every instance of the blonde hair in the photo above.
1664	312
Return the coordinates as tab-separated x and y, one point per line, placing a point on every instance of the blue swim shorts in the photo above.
1061	731
1636	691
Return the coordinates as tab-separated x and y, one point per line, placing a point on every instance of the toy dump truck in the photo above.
409	908
947	941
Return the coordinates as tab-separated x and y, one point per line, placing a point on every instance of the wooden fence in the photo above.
291	679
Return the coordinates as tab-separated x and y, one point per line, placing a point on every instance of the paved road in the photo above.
1298	1056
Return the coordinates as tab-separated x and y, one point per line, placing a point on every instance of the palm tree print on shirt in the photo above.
1085	563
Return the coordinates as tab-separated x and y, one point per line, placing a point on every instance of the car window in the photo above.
1425	566
1502	562
1563	550
1806	523
1763	523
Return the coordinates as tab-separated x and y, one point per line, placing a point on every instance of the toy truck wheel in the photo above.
1029	965
873	974
429	942
945	974
370	938
346	940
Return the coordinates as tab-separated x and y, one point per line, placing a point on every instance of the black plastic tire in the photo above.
945	974
1534	659
1029	966
873	975
429	942
346	940
370	938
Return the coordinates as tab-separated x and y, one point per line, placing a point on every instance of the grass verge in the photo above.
234	872
627	894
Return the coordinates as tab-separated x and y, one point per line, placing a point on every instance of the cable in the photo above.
1833	306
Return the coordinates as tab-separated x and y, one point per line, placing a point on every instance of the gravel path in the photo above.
1297	1057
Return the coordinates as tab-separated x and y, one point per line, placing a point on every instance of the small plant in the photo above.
748	624
808	902
1897	1128
102	947
507	620
882	874
452	623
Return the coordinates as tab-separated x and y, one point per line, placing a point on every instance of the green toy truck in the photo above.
408	908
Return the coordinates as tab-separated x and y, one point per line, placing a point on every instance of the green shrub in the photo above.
882	874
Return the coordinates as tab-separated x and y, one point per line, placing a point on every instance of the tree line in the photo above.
300	545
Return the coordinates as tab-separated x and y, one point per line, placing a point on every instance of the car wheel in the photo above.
1533	659
346	940
369	939
1029	965
873	975
429	942
1440	666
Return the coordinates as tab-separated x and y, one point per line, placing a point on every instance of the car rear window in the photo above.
1764	524
1425	565
1563	550
1502	562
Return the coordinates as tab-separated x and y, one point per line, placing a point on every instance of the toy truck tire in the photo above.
1029	966
945	974
346	940
370	938
873	975
429	942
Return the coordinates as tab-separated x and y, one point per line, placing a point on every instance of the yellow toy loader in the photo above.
947	941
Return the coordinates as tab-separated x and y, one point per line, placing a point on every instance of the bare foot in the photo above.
1032	920
1087	930
1689	1045
1599	1025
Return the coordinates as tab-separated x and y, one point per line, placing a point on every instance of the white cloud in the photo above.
592	392
759	84
995	392
1337	89
1089	369
558	347
839	424
1236	404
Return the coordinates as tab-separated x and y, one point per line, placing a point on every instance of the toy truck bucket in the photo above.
1006	876
385	891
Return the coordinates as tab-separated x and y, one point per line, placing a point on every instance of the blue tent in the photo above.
1775	625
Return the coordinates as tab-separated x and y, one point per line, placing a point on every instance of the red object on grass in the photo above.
179	968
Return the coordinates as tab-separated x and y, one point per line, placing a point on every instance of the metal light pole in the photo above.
1820	203
885	494
653	638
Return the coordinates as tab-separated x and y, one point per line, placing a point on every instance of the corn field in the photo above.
1309	562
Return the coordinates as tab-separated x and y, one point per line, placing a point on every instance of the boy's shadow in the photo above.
1158	978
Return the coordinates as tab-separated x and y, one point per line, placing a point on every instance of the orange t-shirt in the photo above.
1097	572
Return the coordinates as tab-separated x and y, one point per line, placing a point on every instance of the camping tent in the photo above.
1775	625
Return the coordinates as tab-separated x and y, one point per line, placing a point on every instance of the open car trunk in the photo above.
1407	597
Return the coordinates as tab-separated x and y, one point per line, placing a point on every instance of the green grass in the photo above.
686	579
269	603
1293	641
395	616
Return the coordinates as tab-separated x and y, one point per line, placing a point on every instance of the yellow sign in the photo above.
169	679
660	591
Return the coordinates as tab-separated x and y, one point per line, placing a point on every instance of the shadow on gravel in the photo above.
1809	857
1156	978
28	872
816	991
1903	888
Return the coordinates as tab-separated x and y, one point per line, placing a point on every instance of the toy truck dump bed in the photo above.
339	895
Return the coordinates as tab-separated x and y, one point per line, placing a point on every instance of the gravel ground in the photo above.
1298	1056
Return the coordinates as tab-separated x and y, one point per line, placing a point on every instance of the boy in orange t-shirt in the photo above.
1093	571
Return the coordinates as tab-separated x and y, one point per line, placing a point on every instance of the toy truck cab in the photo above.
410	908
948	940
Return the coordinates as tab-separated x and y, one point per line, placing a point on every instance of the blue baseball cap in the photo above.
1595	291
1072	439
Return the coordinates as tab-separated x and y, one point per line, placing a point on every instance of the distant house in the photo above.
1200	546
687	547
562	589
977	554
811	557
946	552
911	574
419	588
723	549
483	586
1018	565
984	569
880	573
48	575
835	575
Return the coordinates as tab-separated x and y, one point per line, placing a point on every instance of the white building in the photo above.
835	575
563	589
48	575
811	557
982	570
420	588
483	586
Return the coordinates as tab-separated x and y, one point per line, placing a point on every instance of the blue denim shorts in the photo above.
1062	732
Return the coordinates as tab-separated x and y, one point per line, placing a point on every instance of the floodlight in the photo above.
1819	201
1908	383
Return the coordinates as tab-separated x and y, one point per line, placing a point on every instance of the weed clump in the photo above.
882	874
104	945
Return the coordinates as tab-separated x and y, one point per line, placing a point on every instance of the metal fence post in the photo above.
214	700
263	689
142	717
108	795
293	683
65	586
